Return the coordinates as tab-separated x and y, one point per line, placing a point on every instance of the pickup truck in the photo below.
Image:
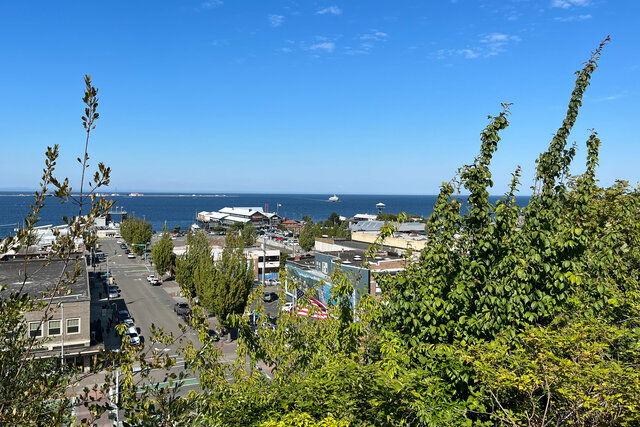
181	308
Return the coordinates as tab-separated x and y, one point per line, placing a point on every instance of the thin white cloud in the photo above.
615	96
210	4
495	43
332	10
374	35
566	4
468	53
275	20
572	18
325	46
489	45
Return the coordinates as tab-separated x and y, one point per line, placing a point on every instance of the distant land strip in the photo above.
106	196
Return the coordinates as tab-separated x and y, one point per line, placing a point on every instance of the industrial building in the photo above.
226	217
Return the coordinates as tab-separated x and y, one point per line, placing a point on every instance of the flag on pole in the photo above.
315	310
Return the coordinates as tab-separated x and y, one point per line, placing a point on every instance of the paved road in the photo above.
147	304
153	305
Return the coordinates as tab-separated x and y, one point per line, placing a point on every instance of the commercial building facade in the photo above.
64	325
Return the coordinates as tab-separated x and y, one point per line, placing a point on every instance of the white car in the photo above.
151	278
287	307
132	332
131	255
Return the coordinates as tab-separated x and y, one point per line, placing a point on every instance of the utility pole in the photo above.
264	259
62	336
117	400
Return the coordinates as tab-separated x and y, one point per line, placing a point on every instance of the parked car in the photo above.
132	333
131	255
270	296
123	315
113	292
154	282
180	308
151	278
287	307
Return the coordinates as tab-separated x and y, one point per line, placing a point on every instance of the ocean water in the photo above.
176	210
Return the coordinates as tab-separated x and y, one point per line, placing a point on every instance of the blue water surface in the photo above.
176	210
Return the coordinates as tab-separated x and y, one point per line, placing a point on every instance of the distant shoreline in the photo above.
106	196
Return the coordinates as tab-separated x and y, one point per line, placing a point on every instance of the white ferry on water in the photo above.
334	198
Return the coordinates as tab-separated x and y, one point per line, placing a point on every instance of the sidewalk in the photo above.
104	314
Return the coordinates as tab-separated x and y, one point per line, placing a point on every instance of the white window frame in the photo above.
67	325
39	324
59	328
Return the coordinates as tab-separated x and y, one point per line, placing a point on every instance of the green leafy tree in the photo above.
163	256
198	252
229	283
387	217
136	232
332	220
283	260
249	235
176	229
239	234
307	238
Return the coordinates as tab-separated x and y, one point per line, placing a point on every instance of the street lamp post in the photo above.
62	336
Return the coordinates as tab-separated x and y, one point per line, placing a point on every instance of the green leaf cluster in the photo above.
162	253
136	231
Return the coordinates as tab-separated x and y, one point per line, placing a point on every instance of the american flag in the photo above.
299	294
315	310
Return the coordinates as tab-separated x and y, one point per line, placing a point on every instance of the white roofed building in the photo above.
228	216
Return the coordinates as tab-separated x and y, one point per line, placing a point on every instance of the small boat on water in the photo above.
334	198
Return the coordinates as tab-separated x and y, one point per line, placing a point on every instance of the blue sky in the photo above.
378	97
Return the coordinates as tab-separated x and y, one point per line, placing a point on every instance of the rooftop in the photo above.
242	211
403	227
358	257
42	276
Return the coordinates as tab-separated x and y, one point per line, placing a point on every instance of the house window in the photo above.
35	330
54	327
73	326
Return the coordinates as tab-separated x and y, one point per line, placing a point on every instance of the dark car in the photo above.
270	296
124	315
180	308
